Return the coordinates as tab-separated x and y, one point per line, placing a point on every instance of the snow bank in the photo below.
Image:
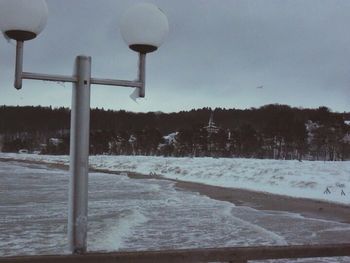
307	179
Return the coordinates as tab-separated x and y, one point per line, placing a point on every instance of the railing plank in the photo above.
235	254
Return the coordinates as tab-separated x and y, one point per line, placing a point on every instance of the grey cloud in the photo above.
216	54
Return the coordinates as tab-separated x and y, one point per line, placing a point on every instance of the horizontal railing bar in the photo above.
196	255
48	77
116	82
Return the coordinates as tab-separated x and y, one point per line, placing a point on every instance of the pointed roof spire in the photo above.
211	120
212	128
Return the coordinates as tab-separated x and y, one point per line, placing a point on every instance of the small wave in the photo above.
110	238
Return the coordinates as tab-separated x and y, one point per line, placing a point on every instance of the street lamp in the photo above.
144	27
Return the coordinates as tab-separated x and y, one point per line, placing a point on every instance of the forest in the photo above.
273	131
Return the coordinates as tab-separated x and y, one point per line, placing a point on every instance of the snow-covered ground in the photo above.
141	214
308	179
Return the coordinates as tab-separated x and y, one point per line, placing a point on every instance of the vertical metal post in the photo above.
79	157
19	65
142	74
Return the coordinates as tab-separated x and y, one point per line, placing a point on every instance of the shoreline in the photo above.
310	208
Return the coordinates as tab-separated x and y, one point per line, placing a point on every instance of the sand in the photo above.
266	201
240	197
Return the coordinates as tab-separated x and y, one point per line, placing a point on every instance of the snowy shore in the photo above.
307	179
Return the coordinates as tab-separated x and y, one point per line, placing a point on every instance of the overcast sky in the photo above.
223	53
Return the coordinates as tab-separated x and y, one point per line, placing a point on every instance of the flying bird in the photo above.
260	87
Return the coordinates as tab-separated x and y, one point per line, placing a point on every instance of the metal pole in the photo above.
19	65
142	74
79	157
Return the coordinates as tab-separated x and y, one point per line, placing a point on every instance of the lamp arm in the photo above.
20	75
140	83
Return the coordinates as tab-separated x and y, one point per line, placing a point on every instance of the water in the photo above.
140	214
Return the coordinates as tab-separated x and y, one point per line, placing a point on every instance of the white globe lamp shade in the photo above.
23	20
144	27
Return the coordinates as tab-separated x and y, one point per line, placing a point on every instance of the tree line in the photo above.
272	131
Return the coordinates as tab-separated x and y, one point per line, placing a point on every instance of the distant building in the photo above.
170	138
346	138
310	128
132	139
55	141
211	128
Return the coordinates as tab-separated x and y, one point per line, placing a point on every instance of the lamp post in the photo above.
144	27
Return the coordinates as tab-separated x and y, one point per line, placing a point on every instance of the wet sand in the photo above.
240	197
265	201
259	200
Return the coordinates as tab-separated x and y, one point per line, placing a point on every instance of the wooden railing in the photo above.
234	255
